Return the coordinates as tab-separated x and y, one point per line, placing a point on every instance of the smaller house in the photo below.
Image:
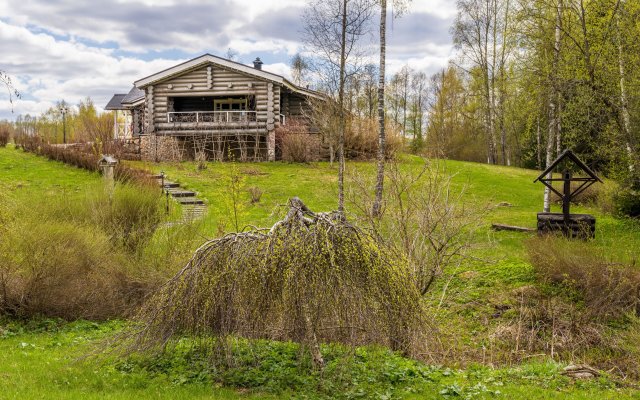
210	107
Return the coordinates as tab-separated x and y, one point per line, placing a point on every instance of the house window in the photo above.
230	104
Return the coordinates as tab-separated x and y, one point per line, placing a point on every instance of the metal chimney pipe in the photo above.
257	64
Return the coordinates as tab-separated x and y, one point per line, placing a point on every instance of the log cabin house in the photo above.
209	108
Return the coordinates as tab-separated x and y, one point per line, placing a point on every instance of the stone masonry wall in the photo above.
162	148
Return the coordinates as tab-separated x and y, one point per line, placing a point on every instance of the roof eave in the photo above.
204	59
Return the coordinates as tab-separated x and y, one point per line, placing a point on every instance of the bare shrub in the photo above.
607	289
201	160
5	134
294	143
295	148
311	278
423	218
571	314
255	193
361	138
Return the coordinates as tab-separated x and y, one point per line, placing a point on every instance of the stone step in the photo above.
189	200
168	185
181	193
155	176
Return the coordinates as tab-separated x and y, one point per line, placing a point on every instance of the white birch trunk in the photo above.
554	125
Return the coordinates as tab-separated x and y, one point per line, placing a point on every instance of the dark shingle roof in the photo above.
134	95
116	102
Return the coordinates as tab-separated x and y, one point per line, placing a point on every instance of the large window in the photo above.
230	104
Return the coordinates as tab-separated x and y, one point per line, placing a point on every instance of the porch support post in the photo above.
271	135
115	124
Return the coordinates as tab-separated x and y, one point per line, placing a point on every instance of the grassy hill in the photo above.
37	357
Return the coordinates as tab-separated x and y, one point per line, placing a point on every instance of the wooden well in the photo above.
581	226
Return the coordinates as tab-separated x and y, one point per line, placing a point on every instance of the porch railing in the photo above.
221	117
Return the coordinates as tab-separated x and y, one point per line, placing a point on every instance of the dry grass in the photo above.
77	258
361	139
586	308
295	148
589	196
255	193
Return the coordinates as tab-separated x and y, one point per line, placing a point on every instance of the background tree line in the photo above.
529	79
82	123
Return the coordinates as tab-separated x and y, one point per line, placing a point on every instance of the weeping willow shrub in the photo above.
311	278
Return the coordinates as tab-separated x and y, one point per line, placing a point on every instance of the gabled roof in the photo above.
232	65
116	102
133	96
570	155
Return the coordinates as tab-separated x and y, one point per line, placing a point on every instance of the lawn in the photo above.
40	359
24	175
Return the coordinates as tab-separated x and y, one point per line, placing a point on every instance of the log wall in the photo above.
213	81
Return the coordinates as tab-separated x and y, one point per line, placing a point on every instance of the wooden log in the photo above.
503	227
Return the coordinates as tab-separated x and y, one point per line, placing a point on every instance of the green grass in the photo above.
42	359
24	175
37	363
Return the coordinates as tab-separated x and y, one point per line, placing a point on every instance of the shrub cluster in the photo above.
5	135
585	307
294	143
77	258
80	155
361	139
627	202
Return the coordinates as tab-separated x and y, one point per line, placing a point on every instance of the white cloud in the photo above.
70	49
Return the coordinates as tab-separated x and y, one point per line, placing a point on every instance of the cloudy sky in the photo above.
71	49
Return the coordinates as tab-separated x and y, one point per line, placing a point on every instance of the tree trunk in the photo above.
538	143
343	45
553	98
377	204
624	103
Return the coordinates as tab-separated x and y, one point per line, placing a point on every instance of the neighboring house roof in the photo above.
208	58
135	95
116	102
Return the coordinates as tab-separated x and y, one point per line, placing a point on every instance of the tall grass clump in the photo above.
585	306
130	216
311	278
76	257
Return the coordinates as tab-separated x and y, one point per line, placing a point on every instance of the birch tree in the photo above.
334	30
553	131
482	33
400	7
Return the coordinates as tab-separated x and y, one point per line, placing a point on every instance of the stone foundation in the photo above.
162	148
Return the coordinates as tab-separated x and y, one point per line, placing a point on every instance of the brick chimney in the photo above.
257	64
